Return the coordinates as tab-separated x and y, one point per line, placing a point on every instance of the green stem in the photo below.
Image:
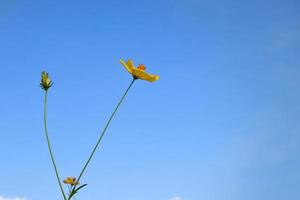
104	130
49	146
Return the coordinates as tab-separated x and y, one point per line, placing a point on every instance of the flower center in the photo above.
141	67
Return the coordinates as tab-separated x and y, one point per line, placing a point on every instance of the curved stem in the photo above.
49	146
104	130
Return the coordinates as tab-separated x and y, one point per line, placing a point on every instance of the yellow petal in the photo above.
70	180
144	76
128	65
67	181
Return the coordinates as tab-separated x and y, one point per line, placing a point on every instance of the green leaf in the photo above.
75	190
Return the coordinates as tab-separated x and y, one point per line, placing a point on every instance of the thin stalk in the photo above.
104	130
49	146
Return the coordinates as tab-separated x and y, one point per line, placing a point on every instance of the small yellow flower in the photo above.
71	181
46	82
139	72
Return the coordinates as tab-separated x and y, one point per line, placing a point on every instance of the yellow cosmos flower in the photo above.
46	82
71	181
139	72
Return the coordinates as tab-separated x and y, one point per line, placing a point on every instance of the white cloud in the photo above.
173	198
14	198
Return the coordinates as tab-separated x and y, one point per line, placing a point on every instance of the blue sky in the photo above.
222	123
